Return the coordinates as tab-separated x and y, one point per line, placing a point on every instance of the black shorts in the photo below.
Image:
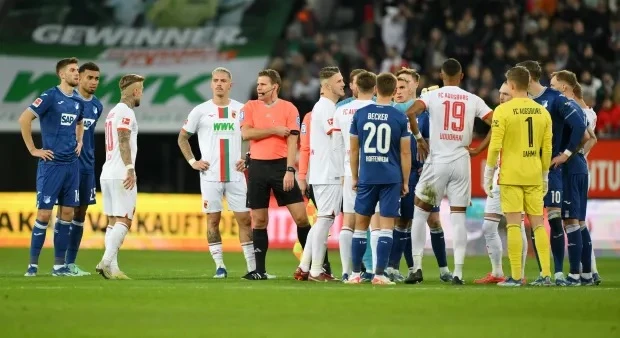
267	175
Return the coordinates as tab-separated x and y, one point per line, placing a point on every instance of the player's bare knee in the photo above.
124	220
403	223
422	205
79	213
213	220
244	220
66	214
260	218
44	216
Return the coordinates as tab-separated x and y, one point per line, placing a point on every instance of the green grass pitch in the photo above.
172	294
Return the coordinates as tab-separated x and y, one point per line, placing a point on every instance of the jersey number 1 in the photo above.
384	136
109	140
457	111
530	131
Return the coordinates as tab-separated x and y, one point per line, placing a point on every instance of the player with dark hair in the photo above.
380	167
562	115
60	114
447	171
92	107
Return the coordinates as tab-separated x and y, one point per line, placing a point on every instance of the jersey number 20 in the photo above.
383	134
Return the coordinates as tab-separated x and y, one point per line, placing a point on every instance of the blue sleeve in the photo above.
41	105
424	125
404	127
353	130
100	112
80	110
571	114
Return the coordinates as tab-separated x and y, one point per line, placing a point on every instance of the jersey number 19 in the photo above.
383	133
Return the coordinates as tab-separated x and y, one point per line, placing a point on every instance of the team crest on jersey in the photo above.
37	102
205	204
329	121
77	106
234	114
95	110
545	103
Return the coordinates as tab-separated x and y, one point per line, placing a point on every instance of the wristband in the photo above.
418	136
129	167
192	161
568	153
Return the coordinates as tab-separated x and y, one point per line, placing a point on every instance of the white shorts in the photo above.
118	201
214	192
446	179
493	205
348	196
328	199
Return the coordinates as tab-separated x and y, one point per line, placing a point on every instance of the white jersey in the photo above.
120	117
342	121
452	112
591	117
219	139
322	167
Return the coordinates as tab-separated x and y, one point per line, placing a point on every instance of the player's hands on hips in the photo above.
473	151
489	172
545	180
44	154
422	149
78	148
289	181
130	179
201	165
559	160
405	189
282	131
303	186
240	165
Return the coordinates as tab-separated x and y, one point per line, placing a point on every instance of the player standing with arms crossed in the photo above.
325	171
380	168
221	166
447	170
575	181
62	129
492	217
522	133
365	83
561	116
88	83
591	116
118	175
272	126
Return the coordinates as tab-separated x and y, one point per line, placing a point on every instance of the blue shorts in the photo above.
369	194
88	188
575	197
553	199
58	183
406	203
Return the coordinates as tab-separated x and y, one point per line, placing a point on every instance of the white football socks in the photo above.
319	243
306	256
218	254
460	242
114	263
250	257
418	236
494	246
374	241
346	242
117	235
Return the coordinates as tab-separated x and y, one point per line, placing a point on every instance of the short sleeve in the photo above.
482	109
353	129
425	99
80	108
292	119
245	115
404	127
41	105
337	120
191	123
126	119
327	118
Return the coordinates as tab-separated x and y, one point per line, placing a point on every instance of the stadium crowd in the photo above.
487	36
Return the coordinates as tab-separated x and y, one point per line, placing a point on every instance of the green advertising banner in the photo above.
175	44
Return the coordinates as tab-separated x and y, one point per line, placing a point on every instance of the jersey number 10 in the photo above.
384	135
109	138
457	111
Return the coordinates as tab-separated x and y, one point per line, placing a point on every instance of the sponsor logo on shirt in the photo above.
67	119
88	123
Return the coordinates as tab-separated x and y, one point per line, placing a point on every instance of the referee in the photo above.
272	127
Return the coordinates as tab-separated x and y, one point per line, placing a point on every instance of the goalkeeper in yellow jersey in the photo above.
521	135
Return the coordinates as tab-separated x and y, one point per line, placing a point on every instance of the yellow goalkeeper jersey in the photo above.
521	135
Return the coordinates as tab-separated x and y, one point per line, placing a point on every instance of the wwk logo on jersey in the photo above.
88	123
67	119
224	126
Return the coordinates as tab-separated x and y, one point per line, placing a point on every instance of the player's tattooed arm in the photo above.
183	142
124	136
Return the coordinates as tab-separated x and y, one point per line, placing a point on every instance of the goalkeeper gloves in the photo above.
489	172
545	178
428	89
